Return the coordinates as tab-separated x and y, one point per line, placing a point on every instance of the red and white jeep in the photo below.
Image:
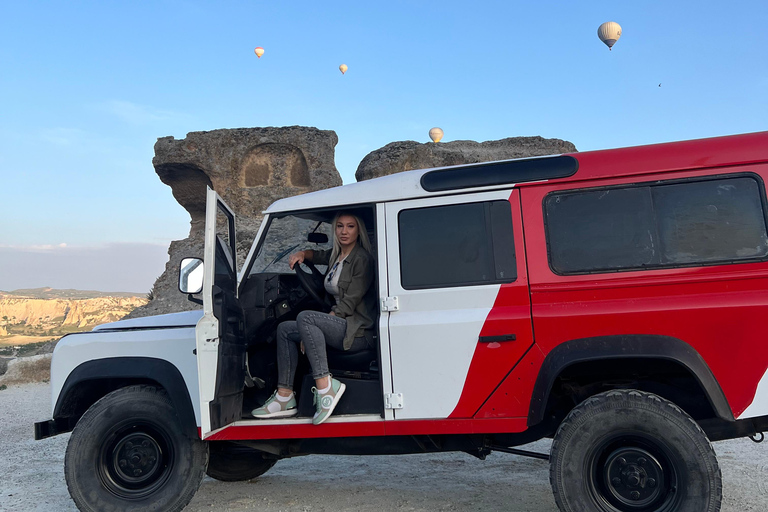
611	300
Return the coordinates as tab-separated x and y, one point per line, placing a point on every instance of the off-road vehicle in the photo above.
611	300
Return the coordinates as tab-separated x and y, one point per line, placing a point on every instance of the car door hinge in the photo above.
393	400
389	304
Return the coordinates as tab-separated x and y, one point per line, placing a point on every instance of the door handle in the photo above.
492	339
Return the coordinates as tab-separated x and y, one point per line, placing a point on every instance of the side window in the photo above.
457	245
660	225
600	230
710	221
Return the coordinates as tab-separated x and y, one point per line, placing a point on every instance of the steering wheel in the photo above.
312	282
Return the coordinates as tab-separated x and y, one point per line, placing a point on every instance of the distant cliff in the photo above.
31	316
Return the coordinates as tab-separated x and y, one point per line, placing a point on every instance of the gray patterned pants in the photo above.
316	330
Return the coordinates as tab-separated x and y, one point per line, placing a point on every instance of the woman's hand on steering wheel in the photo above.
297	257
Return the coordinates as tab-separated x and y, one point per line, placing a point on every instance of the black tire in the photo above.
129	452
632	451
231	462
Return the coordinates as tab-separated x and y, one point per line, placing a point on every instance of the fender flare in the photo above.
621	347
145	369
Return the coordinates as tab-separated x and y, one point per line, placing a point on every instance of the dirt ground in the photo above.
32	476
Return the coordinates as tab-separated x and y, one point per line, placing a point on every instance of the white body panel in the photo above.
206	332
175	345
432	341
759	405
181	319
433	335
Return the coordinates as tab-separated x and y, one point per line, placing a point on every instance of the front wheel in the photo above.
129	452
632	451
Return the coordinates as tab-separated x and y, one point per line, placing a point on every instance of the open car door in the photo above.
220	344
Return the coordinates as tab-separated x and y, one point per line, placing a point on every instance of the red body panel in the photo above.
717	310
371	428
511	314
513	397
671	156
301	431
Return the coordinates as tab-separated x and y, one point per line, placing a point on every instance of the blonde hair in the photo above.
362	236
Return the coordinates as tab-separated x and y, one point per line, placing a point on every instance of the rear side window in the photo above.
457	245
656	225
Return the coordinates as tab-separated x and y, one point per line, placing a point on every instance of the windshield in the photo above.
285	236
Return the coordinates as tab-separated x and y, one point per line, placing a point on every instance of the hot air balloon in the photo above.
609	32
435	134
343	68
259	51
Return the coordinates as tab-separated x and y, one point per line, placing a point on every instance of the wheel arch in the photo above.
625	350
92	380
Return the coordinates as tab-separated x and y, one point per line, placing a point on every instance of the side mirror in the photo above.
191	275
317	238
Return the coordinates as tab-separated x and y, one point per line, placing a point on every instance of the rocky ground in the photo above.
33	476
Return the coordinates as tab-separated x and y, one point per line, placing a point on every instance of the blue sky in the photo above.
86	88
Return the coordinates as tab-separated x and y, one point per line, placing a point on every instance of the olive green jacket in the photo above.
357	293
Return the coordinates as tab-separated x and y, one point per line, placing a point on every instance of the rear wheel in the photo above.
231	462
631	451
129	452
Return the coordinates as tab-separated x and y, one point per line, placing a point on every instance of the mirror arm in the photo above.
194	299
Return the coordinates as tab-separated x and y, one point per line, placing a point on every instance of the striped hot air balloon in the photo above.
609	32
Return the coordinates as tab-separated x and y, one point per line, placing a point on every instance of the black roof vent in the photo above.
500	173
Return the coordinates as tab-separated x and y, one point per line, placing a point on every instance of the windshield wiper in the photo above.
280	256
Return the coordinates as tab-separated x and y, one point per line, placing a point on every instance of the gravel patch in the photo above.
33	476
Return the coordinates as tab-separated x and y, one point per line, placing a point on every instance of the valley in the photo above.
42	315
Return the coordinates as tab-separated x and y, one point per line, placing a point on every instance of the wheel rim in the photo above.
632	473
136	460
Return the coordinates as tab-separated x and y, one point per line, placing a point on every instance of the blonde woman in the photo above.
349	325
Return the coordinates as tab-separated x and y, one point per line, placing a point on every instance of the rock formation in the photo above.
252	167
249	168
408	155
